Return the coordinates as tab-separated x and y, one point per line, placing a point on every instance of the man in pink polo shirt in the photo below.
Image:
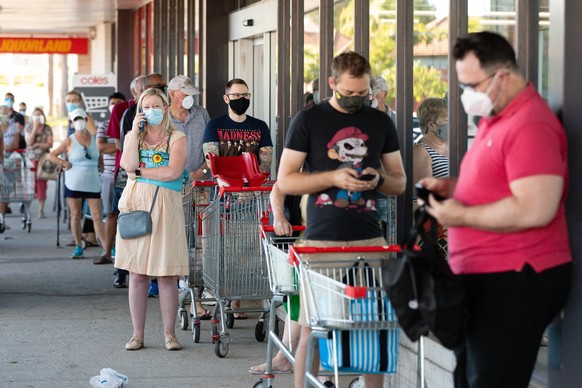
508	238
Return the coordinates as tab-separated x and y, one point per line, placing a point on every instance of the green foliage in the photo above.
427	80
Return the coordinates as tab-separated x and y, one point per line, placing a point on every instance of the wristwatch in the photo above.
380	181
138	172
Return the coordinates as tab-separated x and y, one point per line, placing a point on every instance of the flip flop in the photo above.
260	369
89	244
240	316
206	316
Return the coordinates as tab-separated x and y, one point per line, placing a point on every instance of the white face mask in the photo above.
187	102
79	125
478	103
111	108
375	103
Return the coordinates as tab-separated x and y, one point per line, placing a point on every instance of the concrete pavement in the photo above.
62	321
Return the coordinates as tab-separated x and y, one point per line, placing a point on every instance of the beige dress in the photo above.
163	252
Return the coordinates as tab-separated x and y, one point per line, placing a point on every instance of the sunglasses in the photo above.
87	153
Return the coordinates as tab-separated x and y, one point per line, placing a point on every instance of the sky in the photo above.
476	7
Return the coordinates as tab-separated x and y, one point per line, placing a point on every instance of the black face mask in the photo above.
240	105
351	104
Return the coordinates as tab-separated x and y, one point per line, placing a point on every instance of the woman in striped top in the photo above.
431	152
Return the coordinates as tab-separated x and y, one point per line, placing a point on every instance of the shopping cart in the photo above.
283	278
233	268
18	186
194	199
348	310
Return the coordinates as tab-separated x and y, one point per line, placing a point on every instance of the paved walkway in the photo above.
62	321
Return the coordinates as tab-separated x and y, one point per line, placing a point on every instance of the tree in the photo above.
427	80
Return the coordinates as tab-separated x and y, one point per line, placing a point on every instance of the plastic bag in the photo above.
108	378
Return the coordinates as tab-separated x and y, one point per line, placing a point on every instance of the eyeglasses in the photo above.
236	96
87	153
476	84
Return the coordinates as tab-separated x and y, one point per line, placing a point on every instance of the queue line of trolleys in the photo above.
228	256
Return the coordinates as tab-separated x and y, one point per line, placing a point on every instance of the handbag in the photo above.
368	351
46	170
426	295
137	223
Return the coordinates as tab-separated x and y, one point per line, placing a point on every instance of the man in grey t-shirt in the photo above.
190	119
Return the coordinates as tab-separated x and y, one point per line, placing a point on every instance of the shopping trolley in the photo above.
18	186
283	279
348	310
194	199
233	268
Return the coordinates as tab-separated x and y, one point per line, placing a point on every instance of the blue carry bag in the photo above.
369	350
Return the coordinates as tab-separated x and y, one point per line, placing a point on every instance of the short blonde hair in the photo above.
430	110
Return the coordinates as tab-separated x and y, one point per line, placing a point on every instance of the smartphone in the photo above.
367	177
423	193
142	124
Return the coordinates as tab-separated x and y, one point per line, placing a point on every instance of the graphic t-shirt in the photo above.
235	138
334	140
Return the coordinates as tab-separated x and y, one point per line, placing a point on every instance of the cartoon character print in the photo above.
348	146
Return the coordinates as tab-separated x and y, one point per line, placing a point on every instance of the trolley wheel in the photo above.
221	349
355	383
230	320
196	333
184	320
260	331
259	384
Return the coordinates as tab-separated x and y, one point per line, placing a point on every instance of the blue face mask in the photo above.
9	102
154	116
71	106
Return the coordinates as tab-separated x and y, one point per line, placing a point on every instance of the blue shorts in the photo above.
116	195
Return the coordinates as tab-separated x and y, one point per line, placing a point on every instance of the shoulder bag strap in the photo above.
158	187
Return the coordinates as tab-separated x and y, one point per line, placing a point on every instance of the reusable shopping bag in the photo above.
365	351
47	170
426	295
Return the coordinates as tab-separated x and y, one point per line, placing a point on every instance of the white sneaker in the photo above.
207	294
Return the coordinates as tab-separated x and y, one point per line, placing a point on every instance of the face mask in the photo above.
240	105
478	103
316	97
375	103
187	102
22	112
442	132
9	102
79	125
154	116
351	104
38	118
111	108
71	106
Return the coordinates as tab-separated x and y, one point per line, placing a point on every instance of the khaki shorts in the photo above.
319	258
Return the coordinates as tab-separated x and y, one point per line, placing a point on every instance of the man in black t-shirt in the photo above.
341	140
236	132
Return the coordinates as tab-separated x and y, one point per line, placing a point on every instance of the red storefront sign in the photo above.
44	45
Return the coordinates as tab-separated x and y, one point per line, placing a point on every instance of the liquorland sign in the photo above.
44	45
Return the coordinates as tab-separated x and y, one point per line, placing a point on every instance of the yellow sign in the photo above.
44	45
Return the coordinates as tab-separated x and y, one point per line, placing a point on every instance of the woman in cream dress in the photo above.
154	157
